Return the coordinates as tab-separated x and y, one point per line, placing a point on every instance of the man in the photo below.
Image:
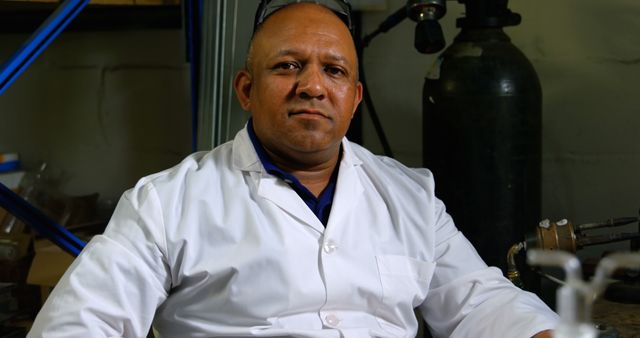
289	230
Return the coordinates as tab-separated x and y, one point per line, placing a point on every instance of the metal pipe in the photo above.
512	269
39	41
575	298
608	238
565	260
612	222
17	206
609	264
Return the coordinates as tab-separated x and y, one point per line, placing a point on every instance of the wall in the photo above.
587	55
101	108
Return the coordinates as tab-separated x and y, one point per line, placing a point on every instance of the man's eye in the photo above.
286	66
334	70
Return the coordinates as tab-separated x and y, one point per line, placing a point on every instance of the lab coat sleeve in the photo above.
114	286
469	299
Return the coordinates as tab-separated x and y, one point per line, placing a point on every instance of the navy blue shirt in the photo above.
320	206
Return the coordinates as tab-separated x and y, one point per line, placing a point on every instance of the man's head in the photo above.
341	8
301	83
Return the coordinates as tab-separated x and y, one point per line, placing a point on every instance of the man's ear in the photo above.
242	86
357	97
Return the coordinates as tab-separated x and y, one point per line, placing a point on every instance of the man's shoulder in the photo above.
389	167
196	167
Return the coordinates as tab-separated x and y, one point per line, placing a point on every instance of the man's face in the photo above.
302	87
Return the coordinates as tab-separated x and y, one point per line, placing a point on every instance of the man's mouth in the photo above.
309	113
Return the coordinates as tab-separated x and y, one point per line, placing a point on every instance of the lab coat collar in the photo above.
348	187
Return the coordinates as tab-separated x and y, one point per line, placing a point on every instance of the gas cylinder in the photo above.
482	116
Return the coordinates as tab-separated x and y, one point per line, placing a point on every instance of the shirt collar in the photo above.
268	165
321	205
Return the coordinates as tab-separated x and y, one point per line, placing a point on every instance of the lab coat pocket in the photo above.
405	280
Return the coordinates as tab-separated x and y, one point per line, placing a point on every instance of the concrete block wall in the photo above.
101	108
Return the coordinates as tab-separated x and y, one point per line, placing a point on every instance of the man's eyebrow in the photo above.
335	57
338	58
287	51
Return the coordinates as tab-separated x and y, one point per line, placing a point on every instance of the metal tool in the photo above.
563	235
575	298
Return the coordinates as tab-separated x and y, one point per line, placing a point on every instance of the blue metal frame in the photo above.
9	72
27	53
38	41
36	219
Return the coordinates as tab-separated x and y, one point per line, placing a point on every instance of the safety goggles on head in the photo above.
342	8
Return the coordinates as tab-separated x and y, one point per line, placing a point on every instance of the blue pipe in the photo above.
36	219
38	41
9	72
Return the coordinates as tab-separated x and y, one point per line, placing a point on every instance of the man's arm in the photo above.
467	298
114	286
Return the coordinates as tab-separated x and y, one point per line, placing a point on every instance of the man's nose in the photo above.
311	84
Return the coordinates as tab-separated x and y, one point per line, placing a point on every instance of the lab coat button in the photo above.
332	320
329	247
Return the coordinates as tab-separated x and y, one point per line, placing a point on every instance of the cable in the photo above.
370	107
390	22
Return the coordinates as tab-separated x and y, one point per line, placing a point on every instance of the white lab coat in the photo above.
217	247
